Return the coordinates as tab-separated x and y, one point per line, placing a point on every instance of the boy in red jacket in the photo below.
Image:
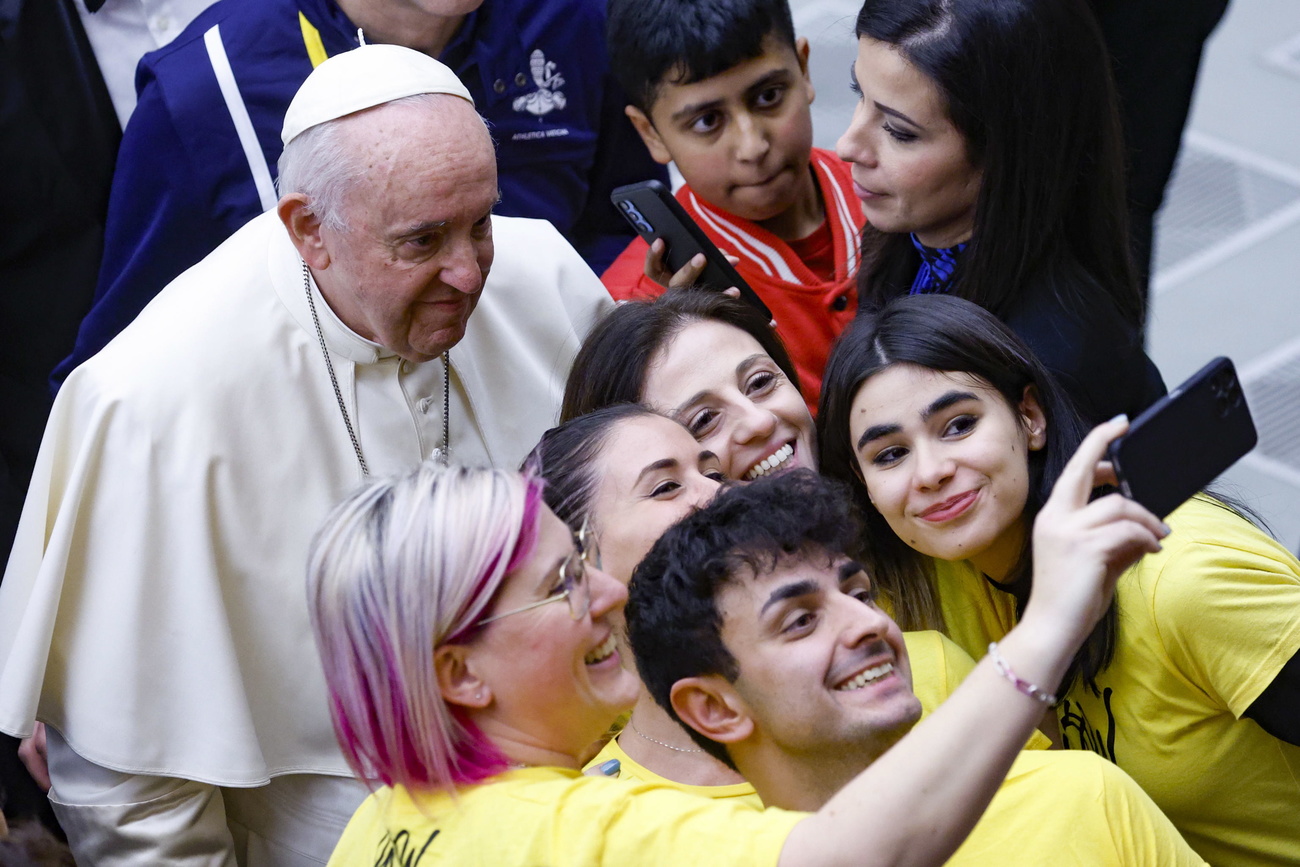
721	88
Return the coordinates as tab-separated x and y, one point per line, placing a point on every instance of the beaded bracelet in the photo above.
1024	686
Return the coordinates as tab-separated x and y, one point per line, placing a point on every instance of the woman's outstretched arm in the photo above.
918	802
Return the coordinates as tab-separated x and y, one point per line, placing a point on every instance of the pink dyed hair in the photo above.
404	566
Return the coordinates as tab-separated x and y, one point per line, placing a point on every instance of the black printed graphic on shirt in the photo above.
399	850
1079	732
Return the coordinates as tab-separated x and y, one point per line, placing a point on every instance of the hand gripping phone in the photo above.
655	213
1185	440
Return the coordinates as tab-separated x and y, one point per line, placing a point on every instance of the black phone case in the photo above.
652	210
1185	440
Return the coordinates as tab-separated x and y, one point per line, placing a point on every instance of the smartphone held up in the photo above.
652	210
1185	440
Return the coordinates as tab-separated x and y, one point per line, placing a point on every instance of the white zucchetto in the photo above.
364	78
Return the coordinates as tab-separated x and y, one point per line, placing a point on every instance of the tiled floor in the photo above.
1227	276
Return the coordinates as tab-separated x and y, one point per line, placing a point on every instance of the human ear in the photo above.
1033	418
304	227
801	50
646	129
457	680
710	705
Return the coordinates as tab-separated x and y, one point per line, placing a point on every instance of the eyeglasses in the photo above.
573	579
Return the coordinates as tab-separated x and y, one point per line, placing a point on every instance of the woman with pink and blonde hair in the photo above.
403	582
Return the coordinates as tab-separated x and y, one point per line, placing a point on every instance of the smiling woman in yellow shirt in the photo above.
951	432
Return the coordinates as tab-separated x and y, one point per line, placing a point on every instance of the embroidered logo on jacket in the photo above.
548	97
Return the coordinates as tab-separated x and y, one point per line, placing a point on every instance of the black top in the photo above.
1079	336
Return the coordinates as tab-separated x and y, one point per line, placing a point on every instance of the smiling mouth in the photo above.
868	676
949	508
602	653
771	463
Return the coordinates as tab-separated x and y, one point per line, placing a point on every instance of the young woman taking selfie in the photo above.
953	434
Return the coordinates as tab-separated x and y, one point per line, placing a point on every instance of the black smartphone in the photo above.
1185	440
654	212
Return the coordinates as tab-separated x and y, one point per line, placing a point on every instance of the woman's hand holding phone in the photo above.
1081	547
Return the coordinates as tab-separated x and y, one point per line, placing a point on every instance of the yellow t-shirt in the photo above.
1065	808
1205	626
974	611
557	817
1058	808
630	771
938	667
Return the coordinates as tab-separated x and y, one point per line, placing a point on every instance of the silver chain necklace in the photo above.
640	733
442	454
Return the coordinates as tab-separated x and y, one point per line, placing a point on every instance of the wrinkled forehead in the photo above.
435	124
432	157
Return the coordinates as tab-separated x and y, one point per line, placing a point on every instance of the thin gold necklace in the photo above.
640	733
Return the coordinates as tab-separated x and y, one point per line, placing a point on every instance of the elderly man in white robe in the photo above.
153	611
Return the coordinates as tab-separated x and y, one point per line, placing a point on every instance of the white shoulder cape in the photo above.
153	609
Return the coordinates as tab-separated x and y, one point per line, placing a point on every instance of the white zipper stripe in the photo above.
774	258
847	224
737	243
239	114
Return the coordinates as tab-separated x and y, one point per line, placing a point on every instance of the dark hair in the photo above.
948	334
685	41
566	456
612	364
673	622
1028	85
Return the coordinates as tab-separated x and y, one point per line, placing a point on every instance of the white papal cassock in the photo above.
153	610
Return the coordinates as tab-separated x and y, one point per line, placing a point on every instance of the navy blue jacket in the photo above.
537	69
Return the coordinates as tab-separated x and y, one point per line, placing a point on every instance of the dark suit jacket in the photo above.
58	143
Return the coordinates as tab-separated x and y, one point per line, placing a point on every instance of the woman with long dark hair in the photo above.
952	435
987	153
